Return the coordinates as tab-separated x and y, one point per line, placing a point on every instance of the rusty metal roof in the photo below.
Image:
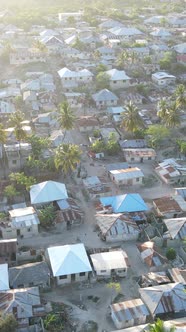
128	310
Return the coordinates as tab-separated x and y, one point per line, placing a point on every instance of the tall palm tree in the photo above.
66	158
66	117
39	46
131	118
162	109
3	139
158	326
180	94
122	58
16	120
172	117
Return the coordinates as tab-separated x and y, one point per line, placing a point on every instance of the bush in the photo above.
171	254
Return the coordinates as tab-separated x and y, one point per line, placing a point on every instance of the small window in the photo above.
103	271
132	159
149	158
124	81
29	229
82	274
112	101
14	162
114	82
63	277
137	179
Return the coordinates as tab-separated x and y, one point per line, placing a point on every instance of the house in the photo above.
4	278
24	56
178	275
165	300
116	113
116	166
105	51
25	221
118	79
181	191
48	33
53	44
30	275
63	17
133	144
176	228
75	99
69	212
161	34
151	256
71	78
9	94
69	263
124	33
129	313
180	52
131	176
170	206
153	279
47	192
106	133
17	154
31	85
104	99
96	187
8	250
87	123
110	263
171	172
6	109
124	203
139	155
163	79
29	97
117	227
23	303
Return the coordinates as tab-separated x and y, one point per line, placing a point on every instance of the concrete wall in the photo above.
127	323
69	279
106	104
114	85
137	159
121	237
9	233
29	231
127	182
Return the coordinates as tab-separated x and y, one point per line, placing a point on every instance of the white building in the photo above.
127	177
118	79
110	263
4	278
69	263
163	79
70	78
104	99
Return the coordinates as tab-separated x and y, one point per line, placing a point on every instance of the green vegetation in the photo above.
171	254
8	323
66	117
131	119
157	134
158	326
102	81
66	158
47	216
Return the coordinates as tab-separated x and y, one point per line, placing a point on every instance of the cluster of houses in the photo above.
71	57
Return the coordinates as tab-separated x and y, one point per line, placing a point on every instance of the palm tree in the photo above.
66	117
122	58
66	158
172	117
158	326
180	94
162	109
16	120
39	46
3	139
131	118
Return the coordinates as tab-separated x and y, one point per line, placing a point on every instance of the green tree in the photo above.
171	254
182	146
98	146
102	81
16	120
8	323
53	322
166	62
3	139
147	59
18	102
66	158
101	68
157	133
172	116
180	95
71	21
158	326
112	146
131	119
66	117
79	45
47	216
38	144
162	109
22	181
39	46
122	59
10	192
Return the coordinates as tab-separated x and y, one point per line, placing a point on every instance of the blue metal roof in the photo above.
125	203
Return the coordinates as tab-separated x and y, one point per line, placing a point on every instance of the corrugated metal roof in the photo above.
164	298
125	203
116	224
178	275
129	310
129	173
133	143
111	167
176	227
